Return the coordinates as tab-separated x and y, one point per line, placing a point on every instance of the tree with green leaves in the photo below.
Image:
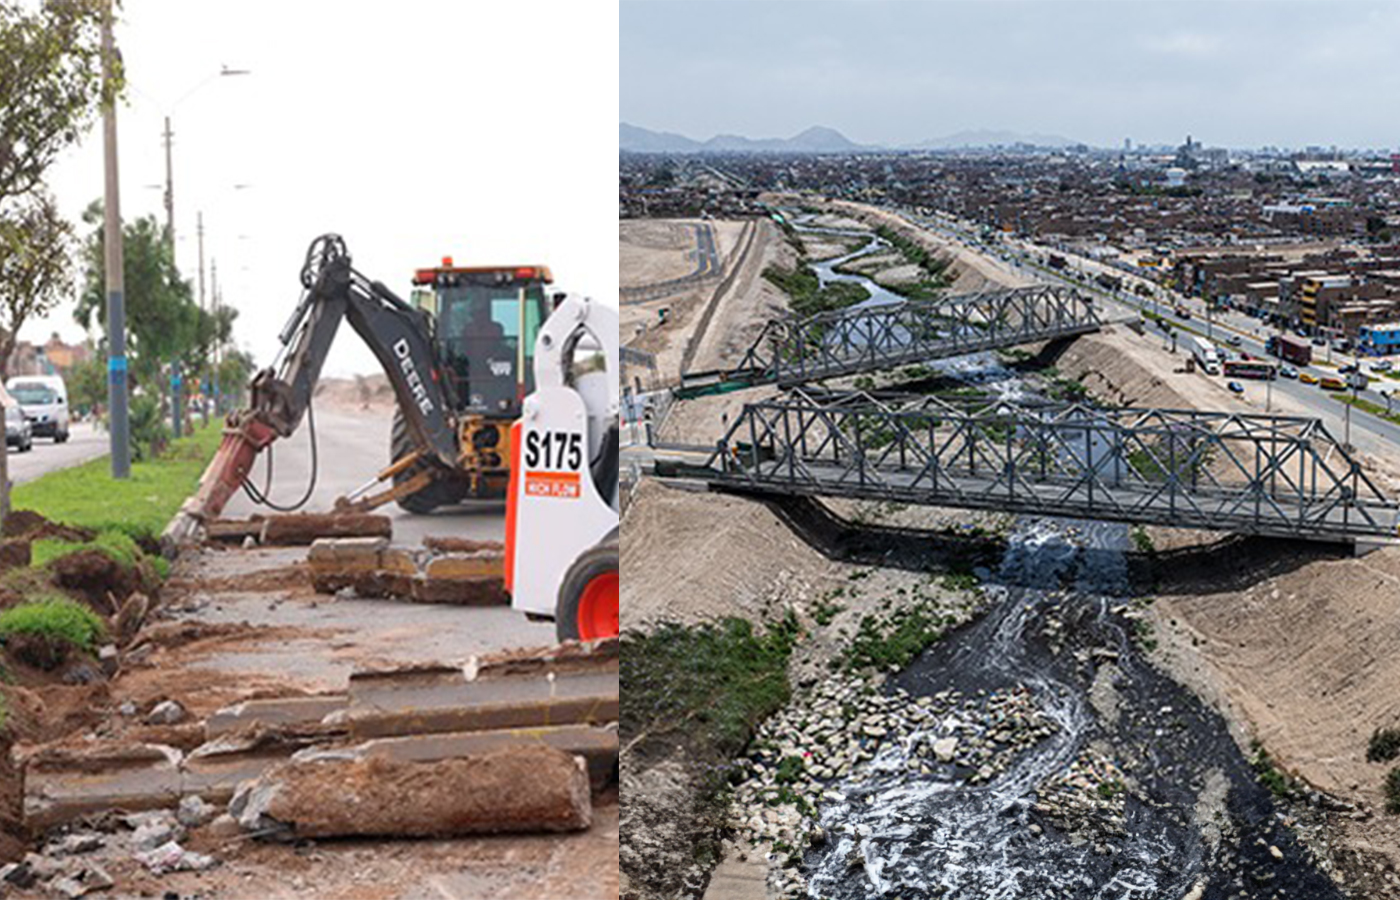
35	259
51	92
50	85
162	318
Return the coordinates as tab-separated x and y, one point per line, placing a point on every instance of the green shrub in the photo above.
894	641
1270	777
56	618
1385	745
149	432
1392	791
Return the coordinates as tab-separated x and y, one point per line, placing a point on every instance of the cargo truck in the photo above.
1286	347
1207	356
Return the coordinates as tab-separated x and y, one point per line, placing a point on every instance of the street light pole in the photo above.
112	238
169	191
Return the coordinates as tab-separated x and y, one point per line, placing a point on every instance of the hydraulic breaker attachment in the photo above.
243	440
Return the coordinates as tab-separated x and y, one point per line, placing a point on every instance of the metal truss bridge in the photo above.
1252	474
862	339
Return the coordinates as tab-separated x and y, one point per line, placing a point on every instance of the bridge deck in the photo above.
1268	475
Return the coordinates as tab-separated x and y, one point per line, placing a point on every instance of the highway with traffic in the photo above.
1369	432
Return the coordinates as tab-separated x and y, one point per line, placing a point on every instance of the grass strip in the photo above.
138	507
1374	409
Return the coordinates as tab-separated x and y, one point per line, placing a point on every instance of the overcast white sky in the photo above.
484	131
1230	72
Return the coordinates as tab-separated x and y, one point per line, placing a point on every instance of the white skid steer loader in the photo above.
562	509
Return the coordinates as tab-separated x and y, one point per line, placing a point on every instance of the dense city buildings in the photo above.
1308	240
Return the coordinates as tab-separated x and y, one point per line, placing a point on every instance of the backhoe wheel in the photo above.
587	608
441	492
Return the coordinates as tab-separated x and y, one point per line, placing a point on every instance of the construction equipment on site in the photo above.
462	375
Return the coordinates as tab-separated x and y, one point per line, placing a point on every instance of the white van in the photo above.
44	400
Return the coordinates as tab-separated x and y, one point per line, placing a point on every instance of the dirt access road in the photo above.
237	624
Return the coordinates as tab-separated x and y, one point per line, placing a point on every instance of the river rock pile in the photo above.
1088	799
800	753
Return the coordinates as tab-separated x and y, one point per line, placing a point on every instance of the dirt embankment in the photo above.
665	326
1305	658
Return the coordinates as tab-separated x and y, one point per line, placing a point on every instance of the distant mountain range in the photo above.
817	139
814	140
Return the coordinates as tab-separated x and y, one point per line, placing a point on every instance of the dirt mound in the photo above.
50	712
27	524
720	555
98	578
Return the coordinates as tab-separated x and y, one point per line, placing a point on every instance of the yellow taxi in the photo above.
1307	378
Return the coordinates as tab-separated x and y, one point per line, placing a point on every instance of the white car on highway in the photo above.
44	400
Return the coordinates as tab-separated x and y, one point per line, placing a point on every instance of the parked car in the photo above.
1307	378
1288	372
44	399
1236	387
1347	369
1381	365
18	433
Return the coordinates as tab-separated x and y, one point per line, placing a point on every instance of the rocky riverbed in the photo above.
1035	753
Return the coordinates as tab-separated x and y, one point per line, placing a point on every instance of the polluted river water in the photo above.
1036	753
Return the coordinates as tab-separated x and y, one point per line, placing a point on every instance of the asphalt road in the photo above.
84	442
351	447
1370	433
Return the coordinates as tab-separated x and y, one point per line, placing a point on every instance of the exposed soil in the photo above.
97	578
27	524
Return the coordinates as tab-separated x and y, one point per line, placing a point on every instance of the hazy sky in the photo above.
485	131
1233	73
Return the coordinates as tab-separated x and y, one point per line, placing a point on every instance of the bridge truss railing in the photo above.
872	338
1260	474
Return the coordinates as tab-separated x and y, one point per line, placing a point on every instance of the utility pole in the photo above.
204	396
169	190
112	239
214	314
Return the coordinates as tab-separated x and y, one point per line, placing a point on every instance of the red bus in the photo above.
1252	368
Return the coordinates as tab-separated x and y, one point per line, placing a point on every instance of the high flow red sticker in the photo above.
552	484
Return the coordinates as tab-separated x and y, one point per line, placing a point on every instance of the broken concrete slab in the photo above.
61	784
301	529
215	769
475	577
284	712
233	531
441	544
442	699
598	747
559	659
518	790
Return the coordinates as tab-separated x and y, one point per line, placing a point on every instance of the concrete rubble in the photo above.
438	573
297	529
545	705
523	789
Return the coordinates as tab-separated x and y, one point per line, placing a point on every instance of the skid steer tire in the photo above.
587	607
441	492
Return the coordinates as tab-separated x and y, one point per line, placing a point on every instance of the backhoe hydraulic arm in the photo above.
400	338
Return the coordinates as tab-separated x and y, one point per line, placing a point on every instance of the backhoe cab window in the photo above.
479	330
